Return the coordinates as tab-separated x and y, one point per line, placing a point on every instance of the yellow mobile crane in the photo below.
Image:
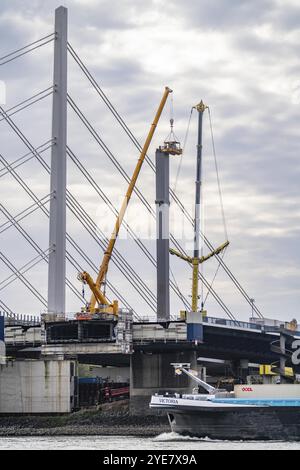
104	306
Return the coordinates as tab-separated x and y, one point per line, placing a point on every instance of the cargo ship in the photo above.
250	412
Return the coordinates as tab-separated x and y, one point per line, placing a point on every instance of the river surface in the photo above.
165	441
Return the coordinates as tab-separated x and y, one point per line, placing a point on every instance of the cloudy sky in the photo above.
242	59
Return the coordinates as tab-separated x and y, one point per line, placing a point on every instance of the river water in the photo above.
165	441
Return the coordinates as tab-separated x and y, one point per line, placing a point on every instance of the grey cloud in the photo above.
215	14
118	72
287	18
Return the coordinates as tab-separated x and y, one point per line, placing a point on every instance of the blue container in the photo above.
90	380
194	332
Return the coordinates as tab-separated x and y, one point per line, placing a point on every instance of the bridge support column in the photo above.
240	368
162	236
244	370
2	343
57	230
282	361
153	373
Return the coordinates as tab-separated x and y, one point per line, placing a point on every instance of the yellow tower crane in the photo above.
104	306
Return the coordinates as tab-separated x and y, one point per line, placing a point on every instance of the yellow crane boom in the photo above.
108	252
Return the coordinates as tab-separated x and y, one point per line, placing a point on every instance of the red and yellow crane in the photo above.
98	297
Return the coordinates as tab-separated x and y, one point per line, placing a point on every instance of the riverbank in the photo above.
106	421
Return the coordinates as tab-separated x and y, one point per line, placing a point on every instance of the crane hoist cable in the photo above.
171	101
217	173
221	205
140	196
198	259
202	203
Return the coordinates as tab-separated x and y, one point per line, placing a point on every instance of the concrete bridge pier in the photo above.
153	373
240	369
2	344
244	370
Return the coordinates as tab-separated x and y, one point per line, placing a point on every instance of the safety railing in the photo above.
21	319
231	323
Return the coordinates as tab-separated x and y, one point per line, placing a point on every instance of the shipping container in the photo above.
276	391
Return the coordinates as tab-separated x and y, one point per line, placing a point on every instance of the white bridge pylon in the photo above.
58	181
